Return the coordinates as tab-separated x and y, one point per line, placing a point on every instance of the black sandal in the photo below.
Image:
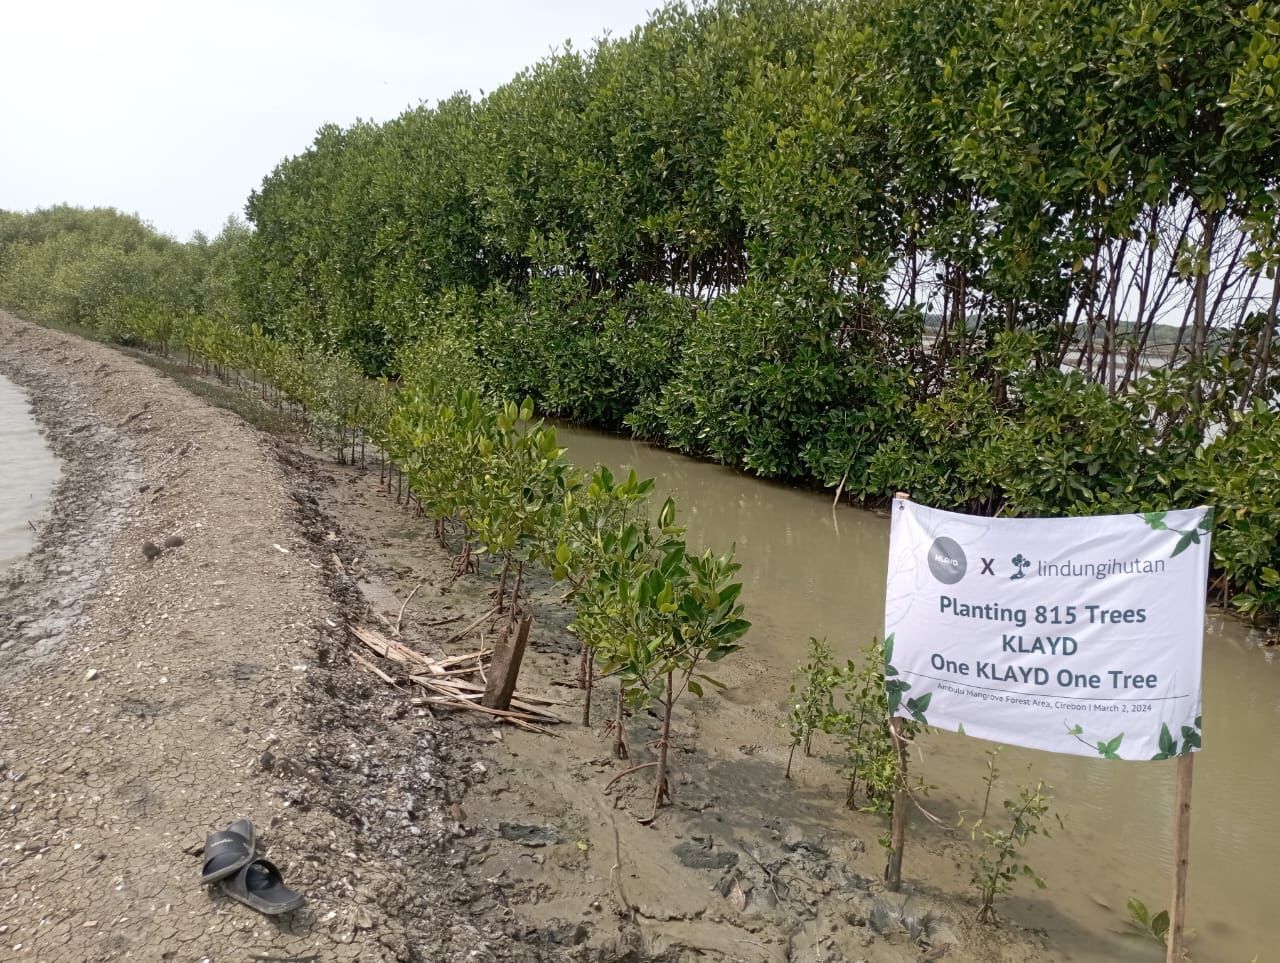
260	886
228	852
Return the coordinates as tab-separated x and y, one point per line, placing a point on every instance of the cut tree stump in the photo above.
508	653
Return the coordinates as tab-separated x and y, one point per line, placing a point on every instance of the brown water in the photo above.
811	570
28	473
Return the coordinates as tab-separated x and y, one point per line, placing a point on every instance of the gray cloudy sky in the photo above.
177	110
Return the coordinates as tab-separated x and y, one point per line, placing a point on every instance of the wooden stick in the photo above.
1181	858
515	718
400	616
898	832
467	631
465	657
372	668
469	692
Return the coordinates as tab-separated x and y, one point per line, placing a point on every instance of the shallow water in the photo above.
28	473
809	570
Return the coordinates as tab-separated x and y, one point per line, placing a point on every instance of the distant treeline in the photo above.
849	243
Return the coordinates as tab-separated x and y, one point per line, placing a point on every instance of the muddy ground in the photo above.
224	685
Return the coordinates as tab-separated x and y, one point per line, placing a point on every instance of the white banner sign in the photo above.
1079	635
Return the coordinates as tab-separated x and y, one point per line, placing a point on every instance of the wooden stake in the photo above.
898	833
507	656
1181	858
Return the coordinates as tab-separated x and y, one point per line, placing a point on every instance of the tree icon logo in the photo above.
1019	563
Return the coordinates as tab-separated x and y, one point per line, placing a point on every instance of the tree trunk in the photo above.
620	748
1199	329
502	582
661	789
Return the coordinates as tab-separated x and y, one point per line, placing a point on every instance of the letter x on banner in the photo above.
1078	635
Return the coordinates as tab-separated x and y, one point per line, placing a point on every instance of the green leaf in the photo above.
1168	745
1184	543
695	688
1160	924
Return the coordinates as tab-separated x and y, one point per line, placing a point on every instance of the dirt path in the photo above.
144	704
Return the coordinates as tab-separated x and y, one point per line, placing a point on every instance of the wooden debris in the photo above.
507	656
521	697
444	678
372	668
389	648
444	664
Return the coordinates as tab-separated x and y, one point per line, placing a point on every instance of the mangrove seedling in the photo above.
1000	862
813	707
591	519
1154	927
664	623
872	762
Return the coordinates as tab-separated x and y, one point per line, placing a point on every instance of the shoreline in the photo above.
146	704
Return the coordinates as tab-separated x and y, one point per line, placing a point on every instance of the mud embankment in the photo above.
146	703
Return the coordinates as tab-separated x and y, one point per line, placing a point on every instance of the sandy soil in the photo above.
145	704
224	685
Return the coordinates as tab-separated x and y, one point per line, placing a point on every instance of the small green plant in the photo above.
1000	862
591	516
1155	927
872	764
813	707
989	779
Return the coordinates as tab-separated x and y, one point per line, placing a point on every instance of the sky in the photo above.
176	110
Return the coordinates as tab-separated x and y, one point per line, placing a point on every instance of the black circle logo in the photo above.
946	560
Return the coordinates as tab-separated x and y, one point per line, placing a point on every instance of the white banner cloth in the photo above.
1079	635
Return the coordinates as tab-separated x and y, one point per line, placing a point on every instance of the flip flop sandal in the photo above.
228	852
260	886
